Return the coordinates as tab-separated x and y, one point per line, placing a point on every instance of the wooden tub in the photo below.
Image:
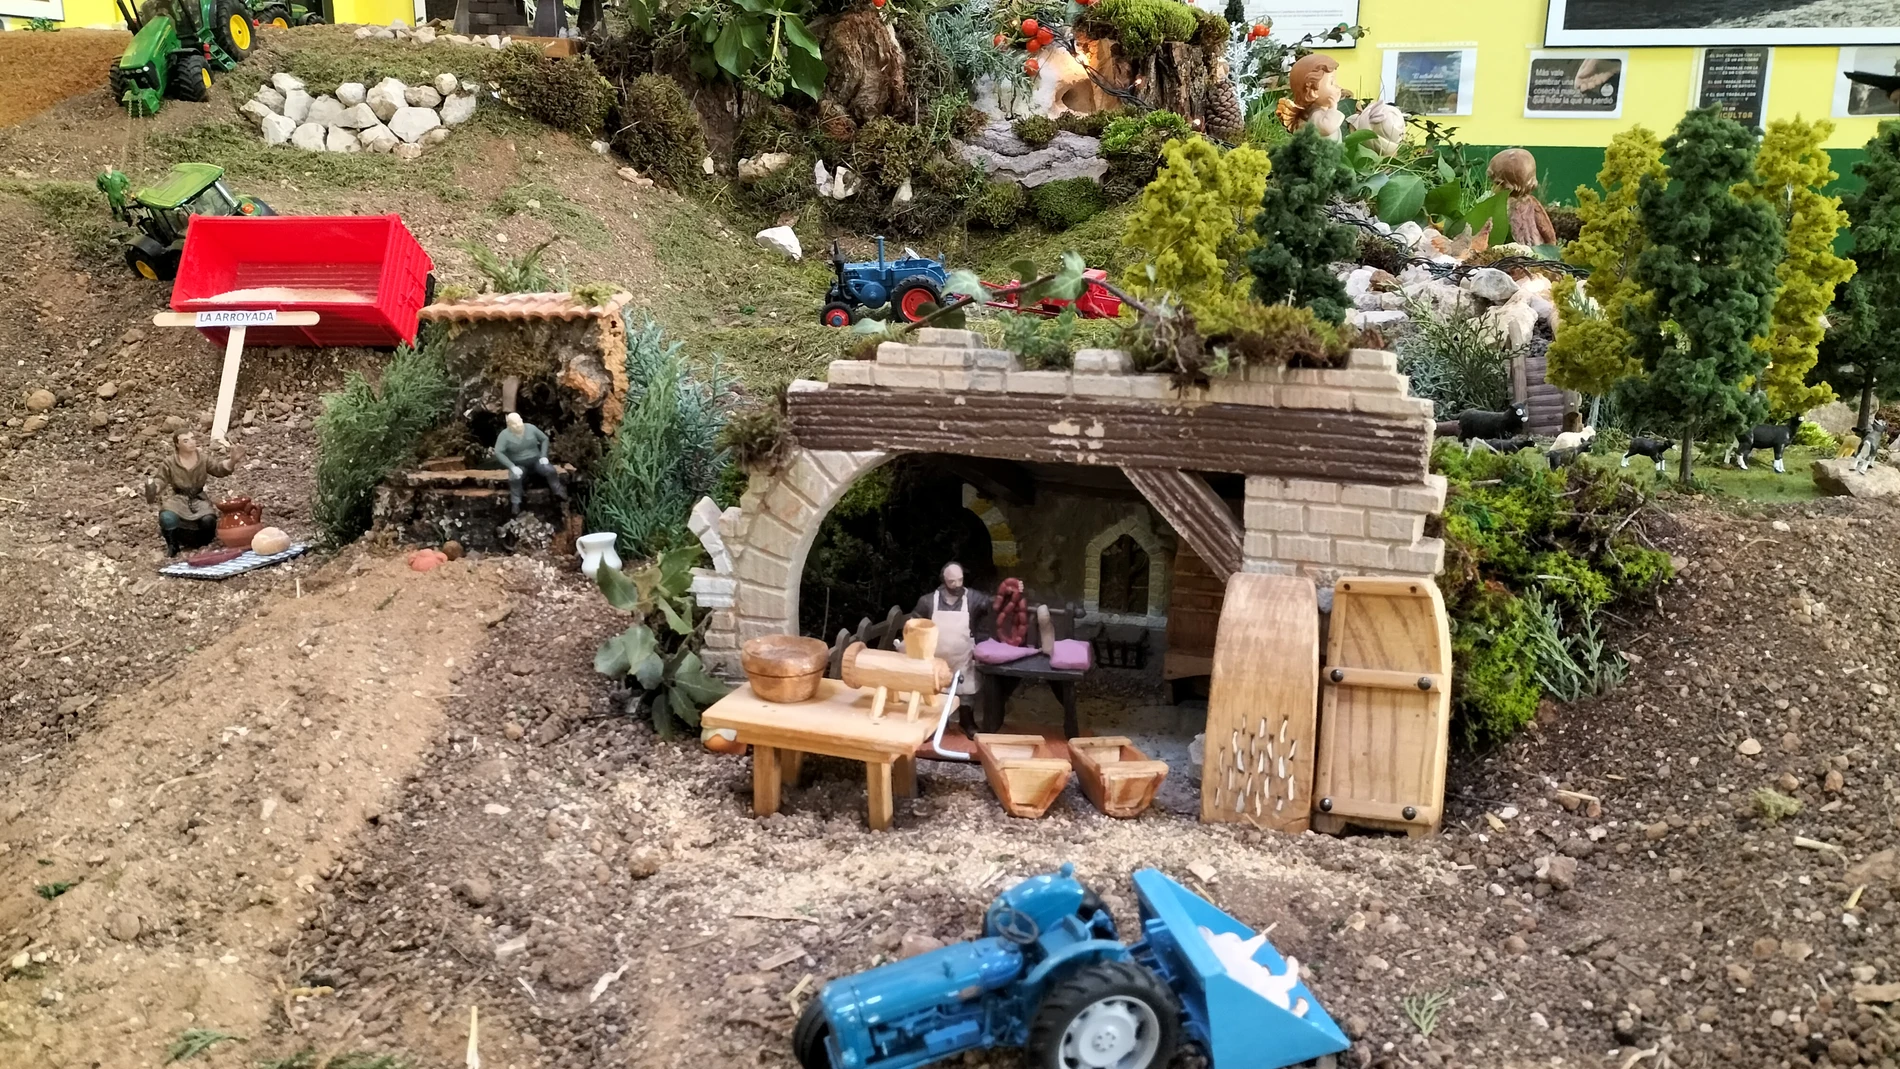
1024	771
1115	776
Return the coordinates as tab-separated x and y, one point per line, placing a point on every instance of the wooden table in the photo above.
836	723
996	682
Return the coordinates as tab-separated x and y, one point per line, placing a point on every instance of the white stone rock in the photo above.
764	165
405	151
458	108
341	139
256	110
352	93
324	111
1363	319
309	137
422	96
284	83
458	38
270	97
425	35
1359	282
707	165
1408	232
781	239
904	195
385	34
441	134
1490	284
277	129
493	42
411	123
600	147
446	85
469	85
387	97
297	105
844	184
357	117
378	138
638	180
1514	323
364	33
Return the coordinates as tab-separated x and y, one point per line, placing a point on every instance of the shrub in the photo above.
1773	807
1065	202
785	189
513	274
998	205
1456	361
1189	226
1299	243
368	430
886	152
1090	125
967	122
1035	130
1042	342
665	454
1272	335
1132	144
660	132
1812	436
1566	221
1141	26
567	94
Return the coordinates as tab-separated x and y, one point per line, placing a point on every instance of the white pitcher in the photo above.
597	549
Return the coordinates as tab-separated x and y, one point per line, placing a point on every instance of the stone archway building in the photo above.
1334	460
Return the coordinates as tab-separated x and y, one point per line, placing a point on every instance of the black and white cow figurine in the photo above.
1652	448
1870	440
1477	423
1775	436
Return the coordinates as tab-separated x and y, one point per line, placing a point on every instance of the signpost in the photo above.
237	320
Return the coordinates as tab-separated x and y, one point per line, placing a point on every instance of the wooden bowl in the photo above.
784	668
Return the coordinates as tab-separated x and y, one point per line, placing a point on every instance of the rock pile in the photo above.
429	34
1003	155
387	117
1510	305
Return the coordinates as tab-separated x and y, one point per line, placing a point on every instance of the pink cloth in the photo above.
990	651
1071	655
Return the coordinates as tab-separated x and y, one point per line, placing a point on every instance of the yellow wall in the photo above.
367	12
1656	82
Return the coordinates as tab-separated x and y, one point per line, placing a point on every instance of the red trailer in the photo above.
365	276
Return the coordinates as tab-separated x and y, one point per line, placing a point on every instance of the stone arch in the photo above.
1002	538
1138	527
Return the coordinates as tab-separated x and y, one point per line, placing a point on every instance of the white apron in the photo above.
954	641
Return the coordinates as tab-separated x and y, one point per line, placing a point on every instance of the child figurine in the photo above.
1313	96
1515	171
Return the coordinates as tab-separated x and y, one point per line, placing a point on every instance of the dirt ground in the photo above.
329	807
38	70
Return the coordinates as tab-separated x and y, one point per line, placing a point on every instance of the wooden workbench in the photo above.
836	723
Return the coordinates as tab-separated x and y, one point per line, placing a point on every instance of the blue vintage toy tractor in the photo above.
907	284
1050	974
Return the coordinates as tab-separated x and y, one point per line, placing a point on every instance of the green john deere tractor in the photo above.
174	48
161	212
284	15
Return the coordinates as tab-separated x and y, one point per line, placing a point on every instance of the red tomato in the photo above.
1030	67
1030	26
999	40
1259	29
877	3
1041	41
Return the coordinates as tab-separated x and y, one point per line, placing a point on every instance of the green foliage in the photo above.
1035	130
1132	145
1858	354
195	1041
594	294
771	128
1189	227
1710	270
1043	343
763	45
998	205
665	454
1211	33
962	35
1811	436
1246	332
1298	243
1792	168
1066	202
50	891
756	437
1141	26
1532	556
567	94
1090	125
1456	361
1608	244
514	274
1772	806
368	430
886	152
784	190
42	25
659	653
660	132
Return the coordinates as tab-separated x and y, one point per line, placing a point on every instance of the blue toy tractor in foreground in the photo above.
907	284
1051	974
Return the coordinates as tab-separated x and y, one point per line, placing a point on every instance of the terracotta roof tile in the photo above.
522	307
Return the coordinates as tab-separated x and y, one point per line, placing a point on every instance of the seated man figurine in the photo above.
523	448
185	517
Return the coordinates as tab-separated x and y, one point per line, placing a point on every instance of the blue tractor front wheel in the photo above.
809	1038
1109	1015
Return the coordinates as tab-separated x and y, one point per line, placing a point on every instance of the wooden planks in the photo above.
1024	772
1194	603
1305	443
1195	512
1116	777
1260	707
1386	719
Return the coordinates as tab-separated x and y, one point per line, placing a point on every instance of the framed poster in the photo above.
1294	19
1852	99
1575	85
1430	81
1735	79
33	9
1707	23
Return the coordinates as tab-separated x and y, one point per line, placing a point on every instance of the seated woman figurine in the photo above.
185	517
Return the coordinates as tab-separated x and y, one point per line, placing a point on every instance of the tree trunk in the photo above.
1686	467
1866	407
1596	409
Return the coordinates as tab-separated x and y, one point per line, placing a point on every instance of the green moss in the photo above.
1494	688
772	128
568	94
1090	125
1212	33
1066	202
660	132
1035	130
998	205
886	153
784	190
1141	26
1132	144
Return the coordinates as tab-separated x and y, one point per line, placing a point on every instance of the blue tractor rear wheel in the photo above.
808	1039
1109	1015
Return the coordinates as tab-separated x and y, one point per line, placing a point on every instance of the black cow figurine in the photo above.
1870	440
1653	448
1508	445
1477	423
1775	436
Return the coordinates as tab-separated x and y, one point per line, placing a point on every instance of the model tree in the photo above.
1710	273
1858	353
1299	242
1190	226
1593	350
1792	168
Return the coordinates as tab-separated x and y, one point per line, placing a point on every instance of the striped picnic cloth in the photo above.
249	561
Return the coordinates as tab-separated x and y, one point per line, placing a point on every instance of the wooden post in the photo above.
904	777
877	782
764	780
237	322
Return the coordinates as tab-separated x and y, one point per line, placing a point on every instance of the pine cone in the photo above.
1224	117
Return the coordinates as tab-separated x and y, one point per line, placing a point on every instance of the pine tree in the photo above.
1299	242
1592	352
1710	272
1189	227
1859	353
1792	168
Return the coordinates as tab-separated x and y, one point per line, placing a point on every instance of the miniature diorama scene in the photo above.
987	533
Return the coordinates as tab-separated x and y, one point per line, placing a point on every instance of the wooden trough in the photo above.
1116	777
1024	772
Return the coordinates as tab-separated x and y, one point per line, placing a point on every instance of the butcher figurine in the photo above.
523	448
955	608
186	518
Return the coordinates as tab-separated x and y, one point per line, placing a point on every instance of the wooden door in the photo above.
1258	767
1194	605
